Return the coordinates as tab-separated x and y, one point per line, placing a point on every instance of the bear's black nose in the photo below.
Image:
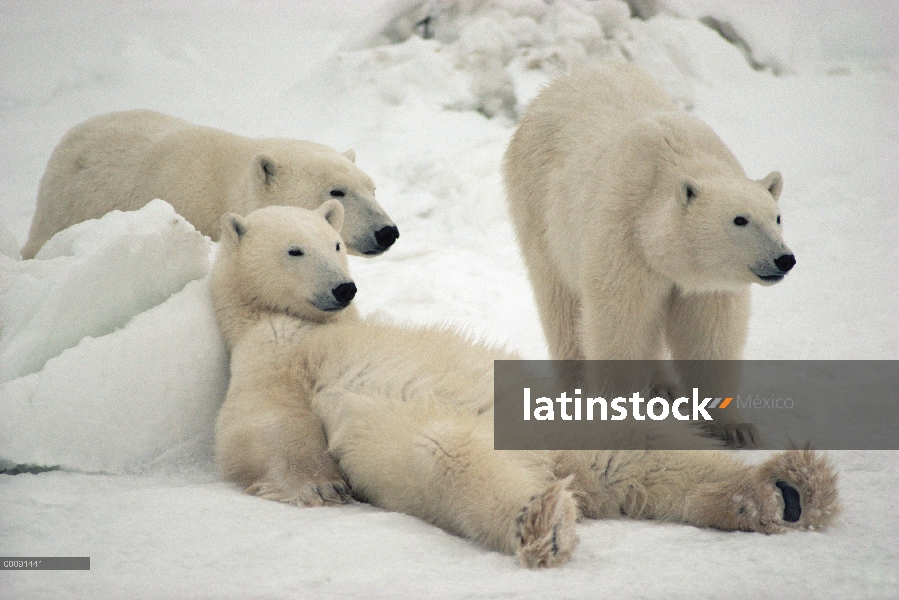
344	292
785	262
387	235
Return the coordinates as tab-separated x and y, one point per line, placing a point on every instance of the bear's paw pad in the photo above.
792	505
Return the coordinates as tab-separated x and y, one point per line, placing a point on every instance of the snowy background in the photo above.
111	367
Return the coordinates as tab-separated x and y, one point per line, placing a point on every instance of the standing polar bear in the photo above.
123	160
640	230
322	402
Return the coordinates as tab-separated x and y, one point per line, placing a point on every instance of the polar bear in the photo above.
123	160
323	405
640	230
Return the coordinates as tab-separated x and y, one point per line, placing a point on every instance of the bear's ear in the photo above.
234	227
332	211
265	168
687	191
350	154
774	183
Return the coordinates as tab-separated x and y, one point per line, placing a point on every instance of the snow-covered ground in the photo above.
112	369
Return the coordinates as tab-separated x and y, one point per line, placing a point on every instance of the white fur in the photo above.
123	160
264	277
624	210
405	415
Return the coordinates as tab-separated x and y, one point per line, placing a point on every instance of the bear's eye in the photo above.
295	251
337	193
740	221
338	246
778	219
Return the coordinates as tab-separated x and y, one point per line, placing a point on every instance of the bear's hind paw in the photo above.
805	486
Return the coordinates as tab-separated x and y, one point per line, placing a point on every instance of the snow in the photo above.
91	279
801	37
112	368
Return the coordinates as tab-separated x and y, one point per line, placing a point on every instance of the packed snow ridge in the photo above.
508	47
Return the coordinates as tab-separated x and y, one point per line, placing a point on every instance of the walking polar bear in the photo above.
640	230
323	405
123	160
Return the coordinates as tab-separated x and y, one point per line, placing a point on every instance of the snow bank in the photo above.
493	57
104	368
91	279
794	36
9	245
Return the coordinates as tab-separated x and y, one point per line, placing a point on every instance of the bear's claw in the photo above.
734	435
307	494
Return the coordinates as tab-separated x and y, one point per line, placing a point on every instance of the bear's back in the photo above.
107	147
130	130
567	128
593	105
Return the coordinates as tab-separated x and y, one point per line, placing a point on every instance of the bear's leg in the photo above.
440	466
622	317
269	440
623	320
791	490
712	327
557	306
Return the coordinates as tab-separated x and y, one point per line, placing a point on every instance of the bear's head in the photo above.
288	260
710	226
306	174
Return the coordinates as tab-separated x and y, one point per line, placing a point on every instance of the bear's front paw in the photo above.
313	492
546	527
734	435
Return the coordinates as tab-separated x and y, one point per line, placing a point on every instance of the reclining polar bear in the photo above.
323	405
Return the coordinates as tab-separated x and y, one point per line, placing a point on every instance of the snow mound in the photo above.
493	56
91	279
787	37
111	356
